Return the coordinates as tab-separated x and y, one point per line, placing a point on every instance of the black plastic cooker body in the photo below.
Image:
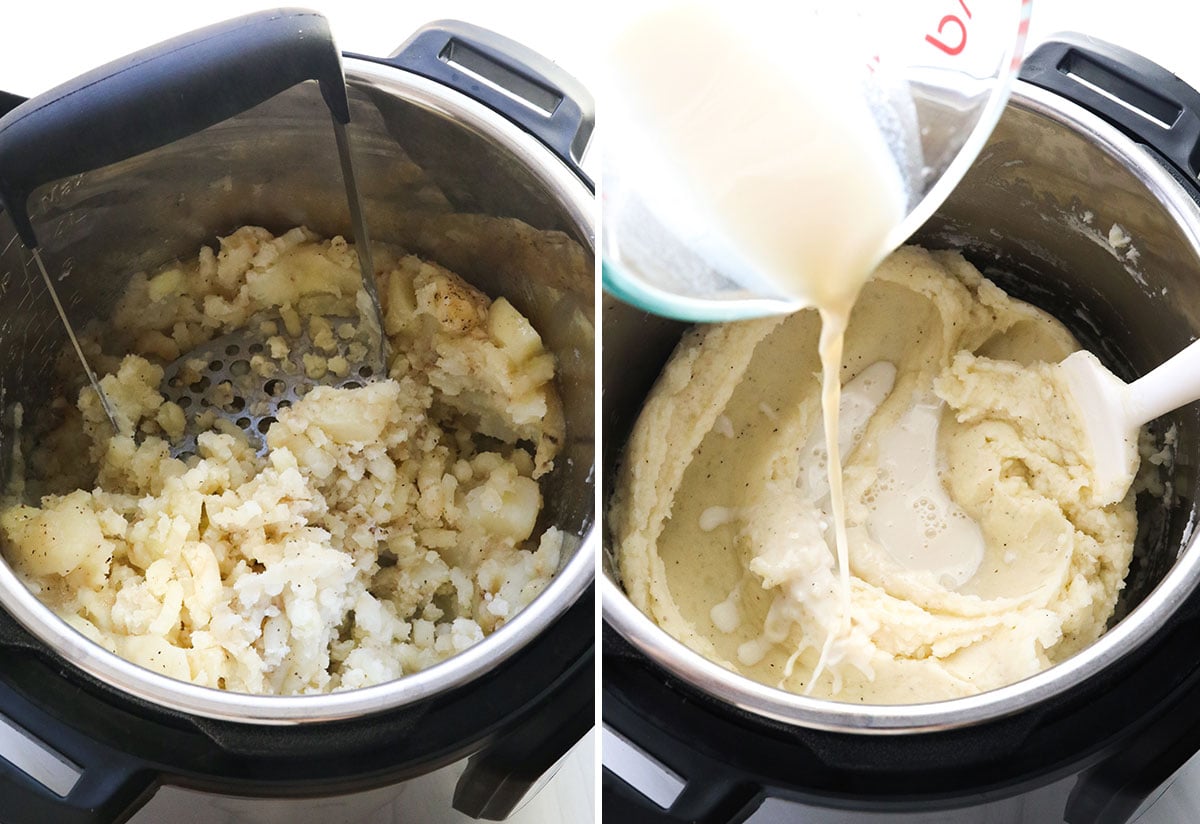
1115	738
513	724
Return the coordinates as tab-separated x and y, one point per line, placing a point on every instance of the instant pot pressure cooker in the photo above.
1093	137
466	147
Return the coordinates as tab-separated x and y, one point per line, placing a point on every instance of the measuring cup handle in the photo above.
1136	95
162	94
507	77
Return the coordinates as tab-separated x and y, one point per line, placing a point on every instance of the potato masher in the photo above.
158	96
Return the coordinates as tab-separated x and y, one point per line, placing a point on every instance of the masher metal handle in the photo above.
161	94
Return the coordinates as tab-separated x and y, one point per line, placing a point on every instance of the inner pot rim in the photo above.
565	589
1146	619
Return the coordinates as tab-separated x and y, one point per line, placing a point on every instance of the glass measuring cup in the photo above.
931	77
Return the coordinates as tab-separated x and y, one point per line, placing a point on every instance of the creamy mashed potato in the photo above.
386	528
978	555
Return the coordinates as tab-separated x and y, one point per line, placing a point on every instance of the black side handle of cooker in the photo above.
1111	791
497	781
720	800
162	94
710	791
1139	97
109	786
507	77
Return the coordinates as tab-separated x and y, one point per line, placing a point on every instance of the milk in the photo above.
911	514
761	134
766	142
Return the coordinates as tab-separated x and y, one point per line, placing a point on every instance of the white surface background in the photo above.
48	42
45	43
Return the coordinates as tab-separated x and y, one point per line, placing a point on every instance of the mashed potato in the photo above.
386	528
979	554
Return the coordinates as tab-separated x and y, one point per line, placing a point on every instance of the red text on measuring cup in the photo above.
949	30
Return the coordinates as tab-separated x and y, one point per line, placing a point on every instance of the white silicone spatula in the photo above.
1113	411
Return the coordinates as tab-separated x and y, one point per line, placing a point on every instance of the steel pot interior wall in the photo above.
1034	214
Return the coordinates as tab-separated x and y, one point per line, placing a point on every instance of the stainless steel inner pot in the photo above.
441	175
1034	214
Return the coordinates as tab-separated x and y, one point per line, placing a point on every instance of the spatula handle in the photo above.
161	94
1174	384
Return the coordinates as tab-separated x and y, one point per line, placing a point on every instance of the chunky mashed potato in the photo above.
386	528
